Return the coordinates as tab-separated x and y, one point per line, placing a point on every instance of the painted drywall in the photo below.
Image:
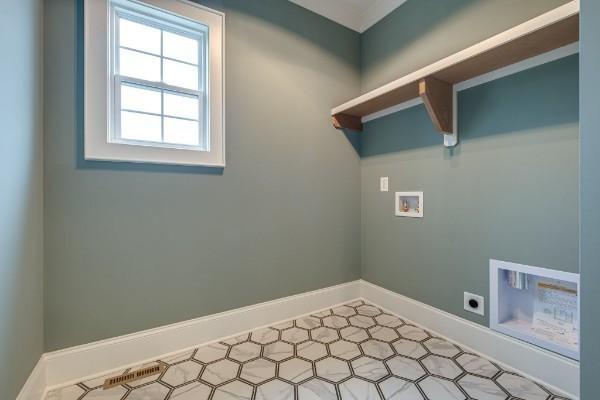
420	32
509	191
131	247
590	197
21	320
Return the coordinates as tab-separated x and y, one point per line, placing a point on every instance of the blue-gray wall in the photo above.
135	247
590	197
21	329
508	191
423	31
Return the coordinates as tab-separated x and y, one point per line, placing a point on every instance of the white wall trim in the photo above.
72	364
35	386
530	361
68	366
345	14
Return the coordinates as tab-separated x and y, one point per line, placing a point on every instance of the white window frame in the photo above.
100	112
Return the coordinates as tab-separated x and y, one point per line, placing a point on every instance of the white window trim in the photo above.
98	85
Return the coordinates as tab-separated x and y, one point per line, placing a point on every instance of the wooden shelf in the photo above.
547	32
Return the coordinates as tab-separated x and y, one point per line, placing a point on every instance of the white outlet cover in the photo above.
479	310
384	184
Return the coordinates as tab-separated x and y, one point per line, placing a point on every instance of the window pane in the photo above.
138	36
180	47
139	65
179	131
182	75
137	98
181	106
135	126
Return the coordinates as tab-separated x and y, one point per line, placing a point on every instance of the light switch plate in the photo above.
384	184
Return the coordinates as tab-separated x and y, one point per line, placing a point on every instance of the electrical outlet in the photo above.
474	303
383	184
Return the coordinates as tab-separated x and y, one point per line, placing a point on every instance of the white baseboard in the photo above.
74	364
557	372
35	386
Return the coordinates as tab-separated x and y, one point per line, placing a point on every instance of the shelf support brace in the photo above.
439	98
347	121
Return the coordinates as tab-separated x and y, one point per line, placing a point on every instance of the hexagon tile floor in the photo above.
354	351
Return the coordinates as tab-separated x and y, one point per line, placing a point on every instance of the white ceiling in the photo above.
358	15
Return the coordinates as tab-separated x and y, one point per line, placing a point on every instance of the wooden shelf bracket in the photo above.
347	121
439	98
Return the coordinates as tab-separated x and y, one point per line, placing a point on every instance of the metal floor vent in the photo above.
133	376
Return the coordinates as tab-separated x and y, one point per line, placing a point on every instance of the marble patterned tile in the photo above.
440	389
441	366
283	325
333	369
344	311
344	349
245	351
312	350
175	358
322	314
354	334
154	391
191	391
295	370
441	347
369	368
395	388
355	389
377	349
324	335
412	332
316	389
409	348
308	322
389	320
258	371
264	336
368	310
236	390
211	352
237	339
278	351
294	335
521	387
383	333
481	388
115	393
345	353
477	365
219	372
361	321
335	322
405	368
181	373
275	390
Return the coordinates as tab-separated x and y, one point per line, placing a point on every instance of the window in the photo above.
153	82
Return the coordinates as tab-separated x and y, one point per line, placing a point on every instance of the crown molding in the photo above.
351	17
